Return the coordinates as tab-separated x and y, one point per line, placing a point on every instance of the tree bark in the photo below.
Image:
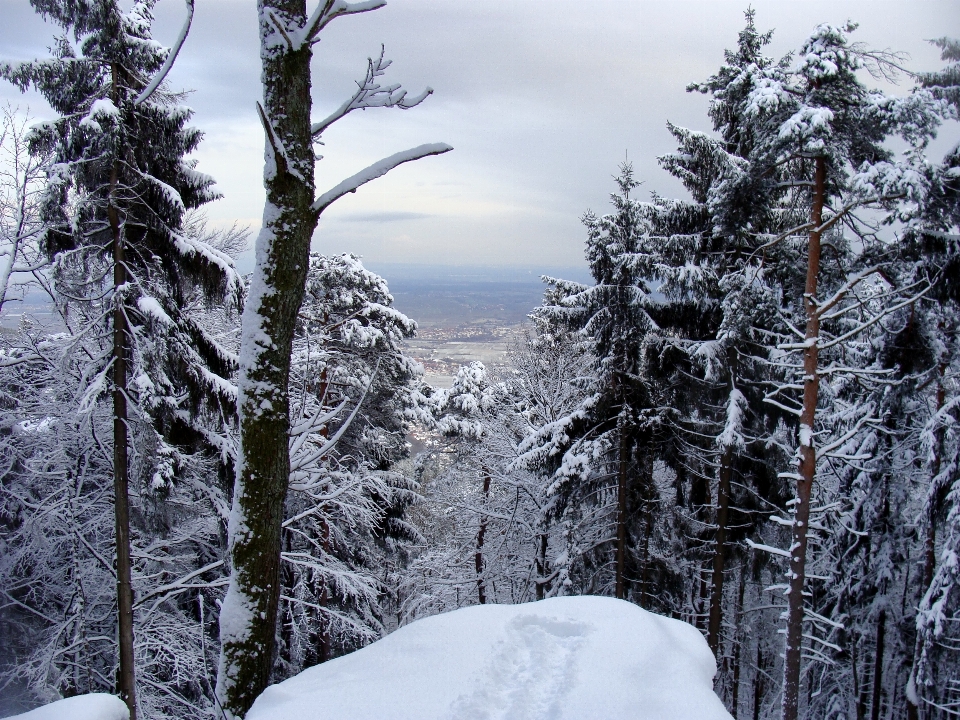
126	680
542	568
720	551
878	666
808	457
620	585
758	683
478	558
249	615
737	643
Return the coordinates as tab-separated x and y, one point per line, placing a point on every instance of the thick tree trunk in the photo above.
249	614
878	667
808	458
478	558
126	680
620	585
720	551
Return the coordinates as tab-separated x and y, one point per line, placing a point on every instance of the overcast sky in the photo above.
541	99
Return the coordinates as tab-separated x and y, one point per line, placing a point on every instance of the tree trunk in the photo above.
620	587
808	458
720	552
249	615
878	667
478	558
324	647
758	683
542	568
930	536
126	681
737	615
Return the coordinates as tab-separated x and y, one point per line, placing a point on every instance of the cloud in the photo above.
384	217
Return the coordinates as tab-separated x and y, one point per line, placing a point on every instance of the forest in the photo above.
749	421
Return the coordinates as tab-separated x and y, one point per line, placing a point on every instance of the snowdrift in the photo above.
95	706
572	657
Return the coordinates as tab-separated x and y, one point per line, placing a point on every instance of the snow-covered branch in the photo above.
371	95
378	169
326	11
171	58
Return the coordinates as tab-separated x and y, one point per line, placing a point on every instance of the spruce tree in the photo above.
114	205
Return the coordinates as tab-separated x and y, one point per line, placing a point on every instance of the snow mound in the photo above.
95	706
571	657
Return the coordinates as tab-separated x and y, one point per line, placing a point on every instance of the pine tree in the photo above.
113	209
354	396
818	161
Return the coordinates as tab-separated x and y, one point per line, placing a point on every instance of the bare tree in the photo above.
287	35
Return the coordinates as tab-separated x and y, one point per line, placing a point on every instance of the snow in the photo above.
567	657
378	169
95	706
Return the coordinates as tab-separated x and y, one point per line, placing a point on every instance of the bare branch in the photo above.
370	95
171	58
378	169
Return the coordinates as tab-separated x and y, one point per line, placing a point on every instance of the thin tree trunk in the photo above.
930	536
126	681
478	558
737	642
878	667
542	568
808	458
248	619
930	540
720	552
324	648
620	588
758	684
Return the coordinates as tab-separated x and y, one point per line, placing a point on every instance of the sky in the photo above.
541	99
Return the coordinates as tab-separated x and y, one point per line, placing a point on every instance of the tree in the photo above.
614	426
21	180
113	212
287	35
818	155
353	395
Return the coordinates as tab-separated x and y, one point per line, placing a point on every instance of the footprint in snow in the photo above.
529	673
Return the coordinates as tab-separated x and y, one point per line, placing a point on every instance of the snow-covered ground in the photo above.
95	706
572	657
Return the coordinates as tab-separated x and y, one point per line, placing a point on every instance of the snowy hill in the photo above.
573	657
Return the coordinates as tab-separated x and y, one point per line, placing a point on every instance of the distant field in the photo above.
466	313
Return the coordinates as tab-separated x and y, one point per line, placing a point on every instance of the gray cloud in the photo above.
540	98
384	217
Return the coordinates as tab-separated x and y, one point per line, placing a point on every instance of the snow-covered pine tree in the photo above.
609	456
716	304
354	395
113	208
292	210
819	162
934	233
